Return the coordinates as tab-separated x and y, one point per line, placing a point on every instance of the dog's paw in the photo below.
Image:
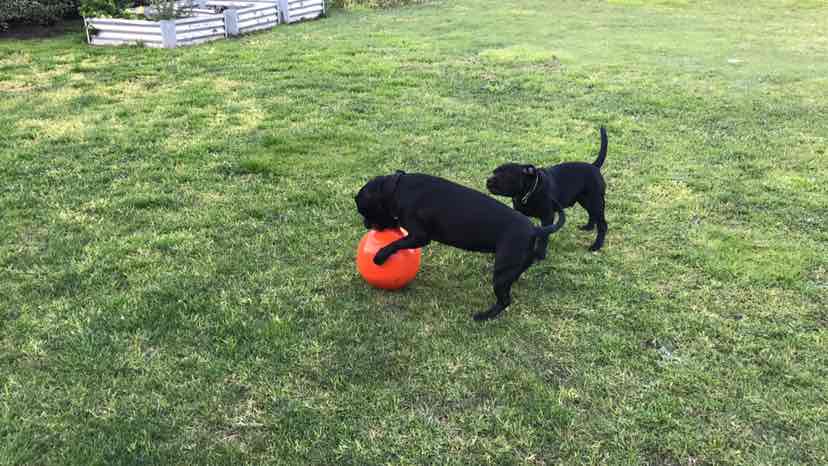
481	316
587	227
595	247
382	255
491	313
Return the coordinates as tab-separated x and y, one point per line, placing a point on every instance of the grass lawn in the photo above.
177	237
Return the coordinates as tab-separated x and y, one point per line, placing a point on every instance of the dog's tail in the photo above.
602	154
548	230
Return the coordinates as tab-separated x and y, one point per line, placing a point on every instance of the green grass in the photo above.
177	232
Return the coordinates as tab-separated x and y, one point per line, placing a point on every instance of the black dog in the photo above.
432	208
540	193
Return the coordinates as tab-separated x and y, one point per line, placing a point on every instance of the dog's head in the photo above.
511	179
374	202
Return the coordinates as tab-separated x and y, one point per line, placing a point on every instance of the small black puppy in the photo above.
540	193
431	208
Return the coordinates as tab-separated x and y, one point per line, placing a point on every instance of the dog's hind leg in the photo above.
596	216
590	224
509	265
542	242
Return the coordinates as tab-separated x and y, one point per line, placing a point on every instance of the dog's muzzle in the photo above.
492	186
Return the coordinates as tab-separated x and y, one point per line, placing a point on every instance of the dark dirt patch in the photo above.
40	31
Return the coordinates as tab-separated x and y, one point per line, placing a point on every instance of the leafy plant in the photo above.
373	3
156	9
169	9
104	8
34	11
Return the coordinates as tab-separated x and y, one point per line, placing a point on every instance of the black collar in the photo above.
525	198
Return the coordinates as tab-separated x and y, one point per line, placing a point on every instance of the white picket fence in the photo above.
206	23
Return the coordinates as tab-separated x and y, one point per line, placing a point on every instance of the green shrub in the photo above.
157	9
169	9
372	3
103	8
35	11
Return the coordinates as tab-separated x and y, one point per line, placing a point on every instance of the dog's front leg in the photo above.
410	241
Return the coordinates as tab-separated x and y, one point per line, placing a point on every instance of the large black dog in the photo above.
432	208
540	193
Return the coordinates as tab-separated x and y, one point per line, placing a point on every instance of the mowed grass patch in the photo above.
178	233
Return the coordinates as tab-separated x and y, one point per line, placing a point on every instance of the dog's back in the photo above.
459	216
575	179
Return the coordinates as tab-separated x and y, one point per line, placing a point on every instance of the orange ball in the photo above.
397	271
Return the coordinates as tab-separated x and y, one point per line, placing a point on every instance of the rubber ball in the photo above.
398	271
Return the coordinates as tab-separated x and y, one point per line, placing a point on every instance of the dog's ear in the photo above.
529	170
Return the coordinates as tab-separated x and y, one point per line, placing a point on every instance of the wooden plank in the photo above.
200	19
199	26
201	40
272	17
204	20
199	32
192	37
307	17
253	23
196	30
309	12
240	4
260	6
95	41
96	22
259	28
128	36
258	14
258	25
231	4
156	29
193	28
248	11
293	4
